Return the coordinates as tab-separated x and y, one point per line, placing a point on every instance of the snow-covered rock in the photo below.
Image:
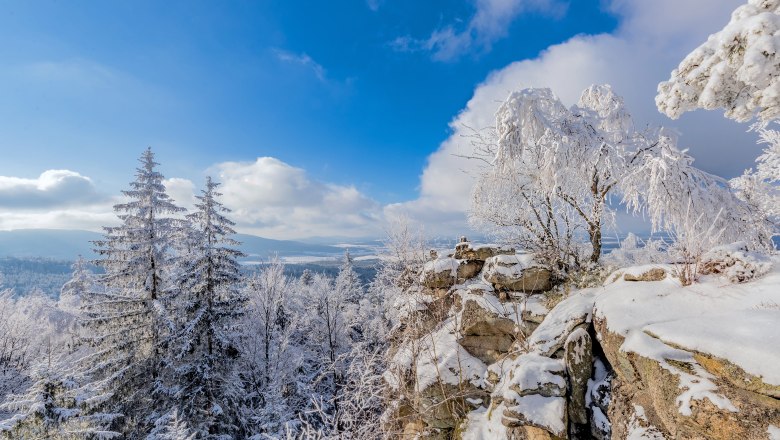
440	273
520	272
572	312
735	263
699	359
578	355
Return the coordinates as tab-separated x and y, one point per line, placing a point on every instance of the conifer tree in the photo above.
204	348
125	319
52	409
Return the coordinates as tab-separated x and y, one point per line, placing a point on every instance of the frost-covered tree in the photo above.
761	187
81	281
171	427
554	170
361	401
126	320
275	365
52	409
348	284
204	348
689	202
737	68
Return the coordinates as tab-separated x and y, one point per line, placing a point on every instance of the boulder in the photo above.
532	373
467	269
578	356
574	311
529	433
534	309
520	272
653	274
470	252
486	334
546	413
440	273
443	405
649	383
735	263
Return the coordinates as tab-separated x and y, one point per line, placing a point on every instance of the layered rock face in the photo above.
496	351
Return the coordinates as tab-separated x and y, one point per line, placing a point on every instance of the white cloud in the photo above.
303	60
53	188
490	23
651	39
273	199
268	197
182	191
57	199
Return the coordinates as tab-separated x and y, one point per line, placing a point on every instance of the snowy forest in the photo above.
542	332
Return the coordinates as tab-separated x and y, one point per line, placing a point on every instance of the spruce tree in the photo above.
204	349
125	319
52	408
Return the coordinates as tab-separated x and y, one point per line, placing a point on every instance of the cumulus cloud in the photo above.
268	197
182	191
651	39
274	199
490	23
53	188
57	199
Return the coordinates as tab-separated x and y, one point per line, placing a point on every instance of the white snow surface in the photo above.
562	319
438	357
511	265
547	412
441	265
737	322
640	429
530	372
535	305
774	432
482	424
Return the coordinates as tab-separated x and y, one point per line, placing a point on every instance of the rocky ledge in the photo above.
497	352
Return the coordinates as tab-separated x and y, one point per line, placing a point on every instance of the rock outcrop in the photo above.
502	360
518	272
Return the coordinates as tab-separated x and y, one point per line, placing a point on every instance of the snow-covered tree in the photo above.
81	282
361	401
348	284
204	349
171	427
52	409
760	188
126	320
737	68
554	170
689	202
275	365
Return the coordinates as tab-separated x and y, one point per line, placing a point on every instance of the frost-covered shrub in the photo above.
735	262
634	251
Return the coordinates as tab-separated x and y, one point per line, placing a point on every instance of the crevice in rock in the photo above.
598	395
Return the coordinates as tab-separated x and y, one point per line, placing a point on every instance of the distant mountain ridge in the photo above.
67	244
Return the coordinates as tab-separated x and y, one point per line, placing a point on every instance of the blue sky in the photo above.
206	82
353	100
